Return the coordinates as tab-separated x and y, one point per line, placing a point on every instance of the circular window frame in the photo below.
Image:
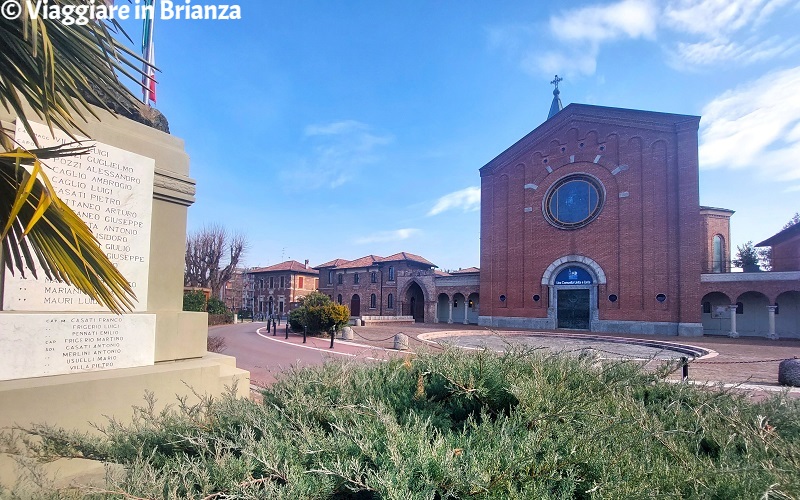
601	199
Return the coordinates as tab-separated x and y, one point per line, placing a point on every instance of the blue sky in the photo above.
327	130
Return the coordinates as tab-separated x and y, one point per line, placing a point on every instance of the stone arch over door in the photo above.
573	302
414	301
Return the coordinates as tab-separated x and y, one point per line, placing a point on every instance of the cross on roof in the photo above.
556	81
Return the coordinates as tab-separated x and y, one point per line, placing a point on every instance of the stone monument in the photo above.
64	359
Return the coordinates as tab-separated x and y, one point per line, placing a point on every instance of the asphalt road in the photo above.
267	356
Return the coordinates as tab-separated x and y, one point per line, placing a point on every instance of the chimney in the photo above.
305	264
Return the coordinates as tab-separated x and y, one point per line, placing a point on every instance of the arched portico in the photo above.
442	308
459	308
752	314
716	314
572	283
473	308
786	314
414	301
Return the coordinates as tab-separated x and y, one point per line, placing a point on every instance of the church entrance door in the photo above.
573	309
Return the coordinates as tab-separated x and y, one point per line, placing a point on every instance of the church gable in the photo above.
583	132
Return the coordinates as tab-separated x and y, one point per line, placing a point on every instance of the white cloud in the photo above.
468	200
714	17
701	33
721	49
755	126
336	128
384	236
598	23
338	151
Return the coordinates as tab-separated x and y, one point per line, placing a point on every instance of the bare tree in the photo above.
212	254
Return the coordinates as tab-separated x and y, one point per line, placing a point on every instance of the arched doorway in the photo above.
459	308
271	308
752	314
355	306
574	297
716	314
416	302
787	315
443	308
473	309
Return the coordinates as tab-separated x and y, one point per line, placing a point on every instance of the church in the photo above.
593	222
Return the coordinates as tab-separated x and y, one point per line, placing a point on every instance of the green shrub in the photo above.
194	301
459	425
216	306
319	313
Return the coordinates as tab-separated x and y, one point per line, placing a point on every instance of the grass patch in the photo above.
457	425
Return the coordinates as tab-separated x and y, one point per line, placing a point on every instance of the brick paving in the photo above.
738	361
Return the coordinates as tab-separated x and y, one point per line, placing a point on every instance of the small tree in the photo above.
319	314
747	257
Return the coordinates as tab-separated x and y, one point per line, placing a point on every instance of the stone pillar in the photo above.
733	333
466	309
771	310
401	342
450	314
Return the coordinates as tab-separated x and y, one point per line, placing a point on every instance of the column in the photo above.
436	316
771	310
450	315
466	308
733	334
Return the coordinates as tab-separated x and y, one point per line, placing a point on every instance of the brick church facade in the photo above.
593	222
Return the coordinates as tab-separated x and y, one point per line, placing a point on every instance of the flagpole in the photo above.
148	53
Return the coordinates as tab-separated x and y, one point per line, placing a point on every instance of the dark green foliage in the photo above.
319	313
462	425
216	306
194	301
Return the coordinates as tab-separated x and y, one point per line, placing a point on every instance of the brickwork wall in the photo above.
716	224
786	255
647	239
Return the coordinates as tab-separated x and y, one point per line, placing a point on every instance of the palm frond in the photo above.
38	224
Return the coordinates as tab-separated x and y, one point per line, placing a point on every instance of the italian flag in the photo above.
149	55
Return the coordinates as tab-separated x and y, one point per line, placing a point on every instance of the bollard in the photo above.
333	332
268	327
287	329
401	342
305	333
347	333
273	325
685	365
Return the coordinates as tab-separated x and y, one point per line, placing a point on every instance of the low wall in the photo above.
378	320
